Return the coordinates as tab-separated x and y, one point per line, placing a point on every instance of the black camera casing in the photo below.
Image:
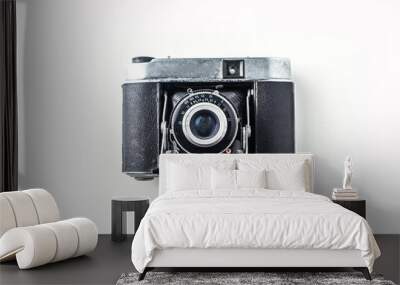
261	93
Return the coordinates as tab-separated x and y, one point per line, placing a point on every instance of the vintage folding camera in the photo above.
205	105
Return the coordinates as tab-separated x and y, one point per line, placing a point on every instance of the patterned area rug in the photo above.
243	278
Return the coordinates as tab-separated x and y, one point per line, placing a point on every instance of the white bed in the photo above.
248	227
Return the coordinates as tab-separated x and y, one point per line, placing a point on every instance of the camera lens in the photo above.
204	124
204	121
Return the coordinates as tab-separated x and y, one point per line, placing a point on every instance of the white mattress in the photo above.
251	219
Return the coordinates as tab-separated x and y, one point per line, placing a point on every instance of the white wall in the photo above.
72	57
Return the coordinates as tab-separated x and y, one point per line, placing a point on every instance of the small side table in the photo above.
357	206
119	207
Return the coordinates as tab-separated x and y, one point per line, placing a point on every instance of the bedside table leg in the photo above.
118	222
140	211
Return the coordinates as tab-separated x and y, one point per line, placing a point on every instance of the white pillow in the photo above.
292	178
226	179
184	174
281	174
251	178
223	179
183	177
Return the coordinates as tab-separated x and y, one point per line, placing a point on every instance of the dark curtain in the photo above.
8	98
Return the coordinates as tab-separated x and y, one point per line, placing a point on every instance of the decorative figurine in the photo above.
348	173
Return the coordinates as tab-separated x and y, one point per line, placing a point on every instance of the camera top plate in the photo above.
208	69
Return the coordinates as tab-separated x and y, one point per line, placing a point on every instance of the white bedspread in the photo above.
250	219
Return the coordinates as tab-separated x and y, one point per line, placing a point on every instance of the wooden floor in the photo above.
110	260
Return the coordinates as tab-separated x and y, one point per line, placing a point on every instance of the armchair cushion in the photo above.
45	205
31	230
40	244
7	220
27	208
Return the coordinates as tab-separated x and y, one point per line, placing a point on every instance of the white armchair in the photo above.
31	230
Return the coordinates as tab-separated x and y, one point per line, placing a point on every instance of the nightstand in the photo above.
357	206
121	205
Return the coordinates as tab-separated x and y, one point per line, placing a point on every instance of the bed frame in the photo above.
242	259
260	259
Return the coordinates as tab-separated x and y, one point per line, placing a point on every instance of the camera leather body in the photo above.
244	111
141	128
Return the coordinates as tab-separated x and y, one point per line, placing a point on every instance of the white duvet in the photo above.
250	219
